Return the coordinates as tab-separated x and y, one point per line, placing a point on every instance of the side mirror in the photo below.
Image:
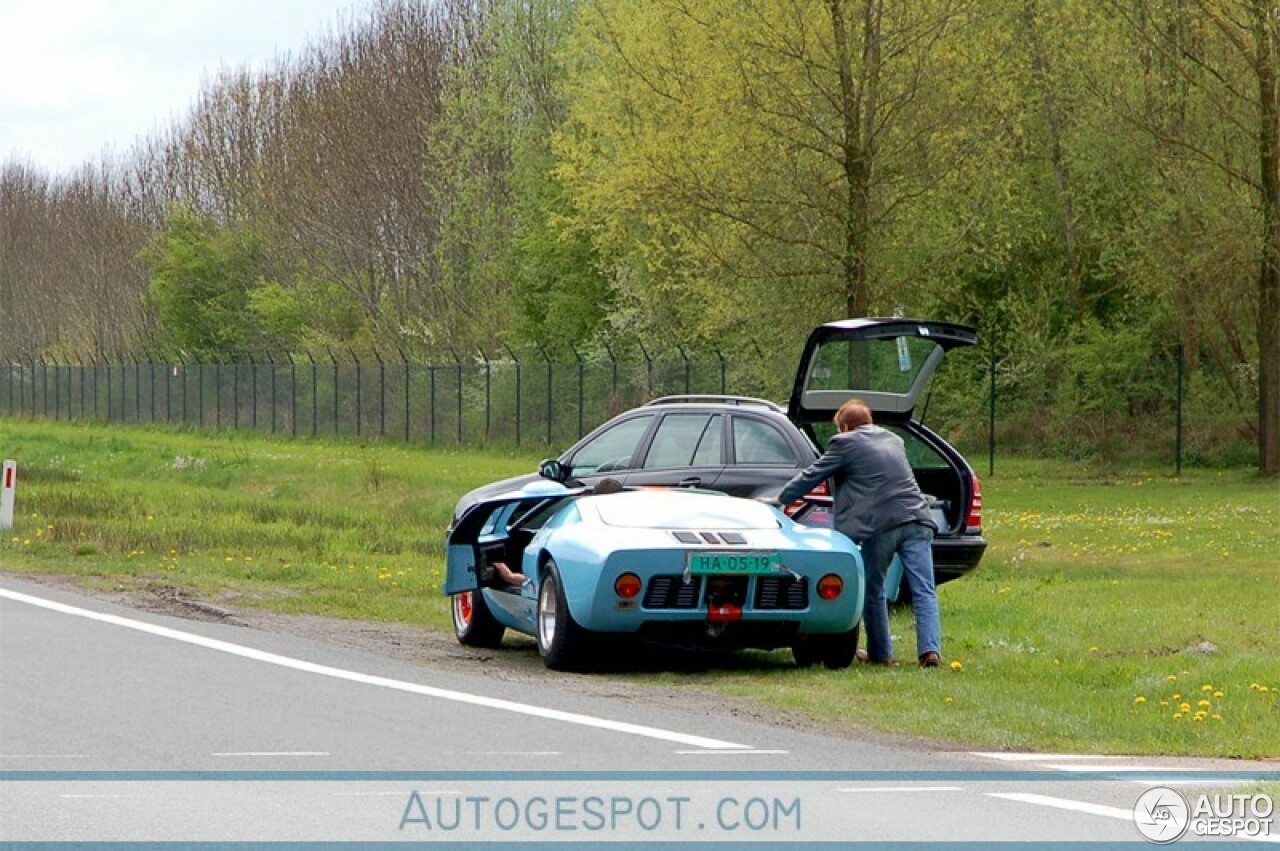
554	470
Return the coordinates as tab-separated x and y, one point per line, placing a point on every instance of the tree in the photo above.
1219	62
747	165
200	284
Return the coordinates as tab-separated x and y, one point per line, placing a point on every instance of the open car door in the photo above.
887	363
489	522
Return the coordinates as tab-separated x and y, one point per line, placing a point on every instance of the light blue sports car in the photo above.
674	566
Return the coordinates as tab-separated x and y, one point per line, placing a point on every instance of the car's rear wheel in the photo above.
561	641
473	623
833	651
839	651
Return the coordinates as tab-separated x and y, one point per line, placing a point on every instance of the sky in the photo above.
84	78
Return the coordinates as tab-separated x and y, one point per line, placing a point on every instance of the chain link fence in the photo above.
516	399
537	399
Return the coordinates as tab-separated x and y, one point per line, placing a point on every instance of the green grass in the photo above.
1082	630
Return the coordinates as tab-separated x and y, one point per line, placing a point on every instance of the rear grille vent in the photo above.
672	592
782	592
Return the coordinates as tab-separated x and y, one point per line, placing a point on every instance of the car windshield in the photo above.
681	510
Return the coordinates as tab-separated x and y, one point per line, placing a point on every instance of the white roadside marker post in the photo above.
8	482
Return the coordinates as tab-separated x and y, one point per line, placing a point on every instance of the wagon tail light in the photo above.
823	489
973	520
830	586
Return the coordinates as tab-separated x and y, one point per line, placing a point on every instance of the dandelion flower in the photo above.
1172	678
1217	694
1206	688
956	666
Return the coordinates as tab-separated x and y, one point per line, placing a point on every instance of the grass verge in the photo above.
1133	614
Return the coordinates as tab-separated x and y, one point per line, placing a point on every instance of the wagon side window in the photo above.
612	449
685	440
757	442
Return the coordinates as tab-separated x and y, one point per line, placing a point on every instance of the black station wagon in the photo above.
751	447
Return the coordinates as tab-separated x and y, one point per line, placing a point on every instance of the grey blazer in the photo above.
871	480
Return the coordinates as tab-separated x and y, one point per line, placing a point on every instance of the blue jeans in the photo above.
913	543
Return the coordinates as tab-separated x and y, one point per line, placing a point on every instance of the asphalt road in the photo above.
119	725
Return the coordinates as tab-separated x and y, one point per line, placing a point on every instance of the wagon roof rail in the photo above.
715	399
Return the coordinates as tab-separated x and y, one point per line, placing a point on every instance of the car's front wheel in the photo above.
806	651
561	641
473	623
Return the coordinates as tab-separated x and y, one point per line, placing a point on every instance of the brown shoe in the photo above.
929	660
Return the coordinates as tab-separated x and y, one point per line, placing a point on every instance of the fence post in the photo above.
359	391
431	396
169	371
1177	452
546	357
458	387
687	369
334	361
516	361
488	393
275	400
613	360
991	422
648	367
57	389
315	394
44	388
137	388
151	368
720	357
382	394
404	360
182	370
252	380
581	392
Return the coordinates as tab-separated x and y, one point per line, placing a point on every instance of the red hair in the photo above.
852	414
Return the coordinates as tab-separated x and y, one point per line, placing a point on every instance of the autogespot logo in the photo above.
1161	814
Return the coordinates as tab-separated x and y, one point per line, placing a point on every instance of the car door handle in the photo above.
691	482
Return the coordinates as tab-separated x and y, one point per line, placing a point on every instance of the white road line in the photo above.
896	789
1113	769
1065	804
381	682
512	753
737	750
272	753
1033	757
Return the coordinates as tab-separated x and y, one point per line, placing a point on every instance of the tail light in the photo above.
973	520
830	586
823	489
627	586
